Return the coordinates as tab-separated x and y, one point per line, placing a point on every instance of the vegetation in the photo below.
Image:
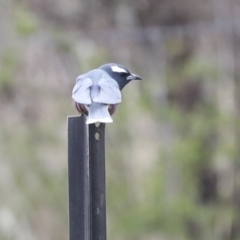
172	151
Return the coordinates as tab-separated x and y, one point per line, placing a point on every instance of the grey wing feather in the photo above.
109	91
81	90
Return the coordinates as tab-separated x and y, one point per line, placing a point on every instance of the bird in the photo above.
97	93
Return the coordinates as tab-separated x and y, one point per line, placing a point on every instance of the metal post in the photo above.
78	178
97	181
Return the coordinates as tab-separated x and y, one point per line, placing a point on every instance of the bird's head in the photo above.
119	73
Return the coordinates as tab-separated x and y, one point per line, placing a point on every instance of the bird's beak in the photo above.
133	77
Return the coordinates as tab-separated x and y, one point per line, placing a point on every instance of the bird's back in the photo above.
95	76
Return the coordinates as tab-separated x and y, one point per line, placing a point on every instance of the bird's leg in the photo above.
112	108
81	108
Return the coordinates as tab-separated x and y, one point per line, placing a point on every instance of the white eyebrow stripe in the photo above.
118	69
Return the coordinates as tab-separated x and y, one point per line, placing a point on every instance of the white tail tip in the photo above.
102	120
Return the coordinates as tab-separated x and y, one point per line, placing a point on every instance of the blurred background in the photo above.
173	166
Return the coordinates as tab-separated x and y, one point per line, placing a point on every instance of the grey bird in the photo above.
98	92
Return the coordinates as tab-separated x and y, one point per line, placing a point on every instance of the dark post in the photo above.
78	178
97	181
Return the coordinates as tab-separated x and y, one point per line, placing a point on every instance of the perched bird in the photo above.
98	92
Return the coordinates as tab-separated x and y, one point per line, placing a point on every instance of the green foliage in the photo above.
200	68
8	63
92	57
164	178
25	22
63	44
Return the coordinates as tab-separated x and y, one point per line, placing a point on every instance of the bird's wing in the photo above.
109	91
81	90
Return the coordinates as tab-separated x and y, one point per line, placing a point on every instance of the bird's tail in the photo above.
98	112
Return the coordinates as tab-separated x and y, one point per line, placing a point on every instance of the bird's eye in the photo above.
124	74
